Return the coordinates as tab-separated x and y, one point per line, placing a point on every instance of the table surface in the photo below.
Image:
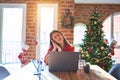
27	73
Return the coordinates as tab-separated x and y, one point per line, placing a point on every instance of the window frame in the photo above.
55	6
13	5
112	27
114	33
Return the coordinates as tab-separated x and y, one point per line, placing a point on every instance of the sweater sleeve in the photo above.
46	56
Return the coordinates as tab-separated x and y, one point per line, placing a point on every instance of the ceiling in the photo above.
97	1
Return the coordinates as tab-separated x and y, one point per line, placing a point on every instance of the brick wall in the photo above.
64	4
81	12
31	20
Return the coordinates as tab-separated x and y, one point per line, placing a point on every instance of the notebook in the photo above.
63	61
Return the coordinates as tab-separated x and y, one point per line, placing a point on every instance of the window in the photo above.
46	23
79	30
112	31
12	31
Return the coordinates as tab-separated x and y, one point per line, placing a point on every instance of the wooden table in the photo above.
27	73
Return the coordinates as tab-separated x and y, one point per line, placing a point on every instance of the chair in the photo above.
3	72
115	71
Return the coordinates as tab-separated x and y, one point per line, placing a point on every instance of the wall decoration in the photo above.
67	19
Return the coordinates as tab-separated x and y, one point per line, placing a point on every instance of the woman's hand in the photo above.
55	46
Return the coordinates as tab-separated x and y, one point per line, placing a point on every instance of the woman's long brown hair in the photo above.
54	31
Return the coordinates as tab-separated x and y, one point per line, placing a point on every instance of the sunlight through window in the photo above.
12	32
47	22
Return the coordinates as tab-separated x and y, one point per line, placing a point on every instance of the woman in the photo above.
58	43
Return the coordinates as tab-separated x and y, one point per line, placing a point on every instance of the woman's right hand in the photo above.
55	46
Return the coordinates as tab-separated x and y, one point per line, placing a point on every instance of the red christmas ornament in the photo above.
90	50
110	56
102	64
112	52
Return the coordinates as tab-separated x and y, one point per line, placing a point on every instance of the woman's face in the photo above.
57	37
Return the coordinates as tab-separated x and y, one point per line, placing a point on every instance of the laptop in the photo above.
63	61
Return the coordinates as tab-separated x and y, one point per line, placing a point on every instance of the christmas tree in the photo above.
95	48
